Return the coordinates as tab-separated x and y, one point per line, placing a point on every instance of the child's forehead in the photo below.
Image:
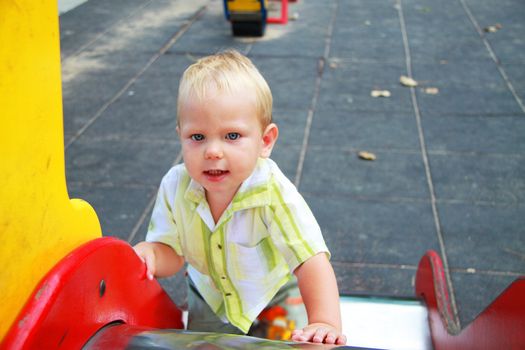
214	87
225	109
213	92
202	94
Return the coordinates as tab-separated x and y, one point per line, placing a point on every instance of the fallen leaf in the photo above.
431	90
380	93
493	29
407	81
366	155
334	62
294	16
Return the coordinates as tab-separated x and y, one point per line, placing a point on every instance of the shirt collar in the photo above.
195	192
255	190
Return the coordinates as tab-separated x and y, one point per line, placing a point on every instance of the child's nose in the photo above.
213	151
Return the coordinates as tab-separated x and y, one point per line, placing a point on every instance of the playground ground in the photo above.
449	173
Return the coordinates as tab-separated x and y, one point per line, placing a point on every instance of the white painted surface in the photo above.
68	5
385	323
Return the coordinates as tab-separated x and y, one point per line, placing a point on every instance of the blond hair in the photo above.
226	72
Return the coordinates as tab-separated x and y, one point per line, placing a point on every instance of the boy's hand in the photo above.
146	253
319	333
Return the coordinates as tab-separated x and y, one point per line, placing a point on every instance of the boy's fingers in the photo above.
297	332
320	335
298	335
150	266
308	334
330	338
341	340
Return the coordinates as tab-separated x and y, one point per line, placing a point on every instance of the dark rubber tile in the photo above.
374	280
484	237
499	134
120	162
365	130
479	178
391	175
376	232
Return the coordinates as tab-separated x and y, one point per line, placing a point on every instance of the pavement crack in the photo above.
426	163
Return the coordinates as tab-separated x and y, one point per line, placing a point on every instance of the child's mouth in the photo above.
215	174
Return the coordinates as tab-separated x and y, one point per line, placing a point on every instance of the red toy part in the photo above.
271	313
99	283
284	14
500	326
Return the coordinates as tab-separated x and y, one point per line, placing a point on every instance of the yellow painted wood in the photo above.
39	224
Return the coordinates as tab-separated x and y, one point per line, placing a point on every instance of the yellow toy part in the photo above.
247	17
244	5
39	224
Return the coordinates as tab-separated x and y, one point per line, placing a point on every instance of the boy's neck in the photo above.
218	202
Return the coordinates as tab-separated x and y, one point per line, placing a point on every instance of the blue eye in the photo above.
197	137
233	136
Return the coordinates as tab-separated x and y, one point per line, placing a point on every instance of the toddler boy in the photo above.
231	214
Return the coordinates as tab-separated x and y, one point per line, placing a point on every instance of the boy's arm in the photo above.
161	260
319	291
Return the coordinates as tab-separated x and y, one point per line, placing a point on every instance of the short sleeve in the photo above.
293	227
162	226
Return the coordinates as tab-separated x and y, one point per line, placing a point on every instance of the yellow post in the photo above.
39	224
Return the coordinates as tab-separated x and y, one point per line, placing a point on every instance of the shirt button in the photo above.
223	277
228	294
219	246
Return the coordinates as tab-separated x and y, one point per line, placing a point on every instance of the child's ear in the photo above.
270	135
178	131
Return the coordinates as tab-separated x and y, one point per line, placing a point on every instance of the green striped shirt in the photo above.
239	263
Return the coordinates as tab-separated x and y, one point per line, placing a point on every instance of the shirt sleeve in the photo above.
162	226
293	227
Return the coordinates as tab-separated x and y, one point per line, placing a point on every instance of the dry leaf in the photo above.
380	93
366	155
431	90
493	29
334	62
407	81
294	16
